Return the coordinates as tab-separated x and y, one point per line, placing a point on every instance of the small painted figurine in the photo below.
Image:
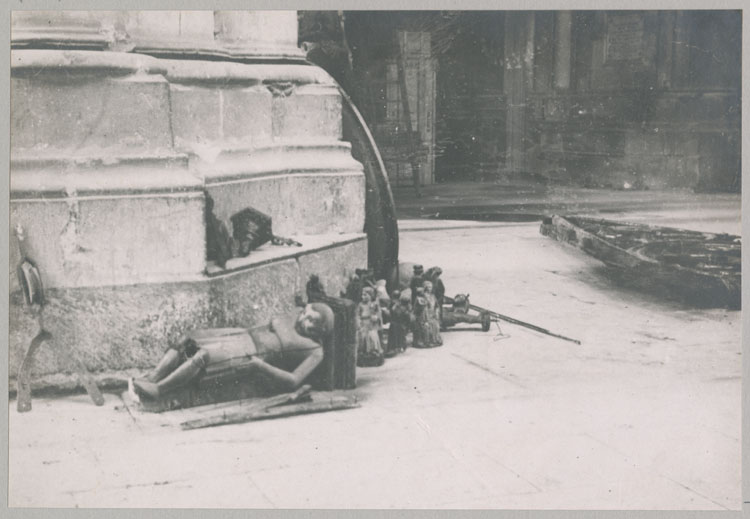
400	321
416	282
419	316
383	299
438	288
360	279
369	324
432	336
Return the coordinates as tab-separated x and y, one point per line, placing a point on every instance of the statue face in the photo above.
309	323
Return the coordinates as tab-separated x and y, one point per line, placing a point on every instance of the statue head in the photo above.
315	321
434	272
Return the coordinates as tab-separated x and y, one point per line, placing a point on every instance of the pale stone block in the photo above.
113	240
246	115
112	328
197	25
71	28
196	115
311	111
252	297
256	29
328	202
312	203
77	113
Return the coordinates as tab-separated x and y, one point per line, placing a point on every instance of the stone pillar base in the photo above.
123	331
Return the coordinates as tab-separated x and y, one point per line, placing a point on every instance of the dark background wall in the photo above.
611	99
653	101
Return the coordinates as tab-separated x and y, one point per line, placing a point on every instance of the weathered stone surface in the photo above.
111	328
334	266
112	240
147	28
211	117
79	112
246	114
81	29
196	114
120	331
306	189
312	111
256	33
298	203
251	297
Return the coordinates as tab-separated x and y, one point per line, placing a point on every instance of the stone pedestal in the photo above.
115	140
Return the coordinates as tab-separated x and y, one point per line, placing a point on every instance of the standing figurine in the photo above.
418	313
353	288
314	289
438	288
416	282
383	299
432	336
400	320
369	323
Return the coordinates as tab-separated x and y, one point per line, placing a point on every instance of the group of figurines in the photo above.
412	312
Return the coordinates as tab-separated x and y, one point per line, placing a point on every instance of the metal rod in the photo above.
517	322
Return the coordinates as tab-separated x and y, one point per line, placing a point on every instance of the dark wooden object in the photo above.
290	404
702	268
338	370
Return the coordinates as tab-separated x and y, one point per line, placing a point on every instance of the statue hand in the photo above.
255	362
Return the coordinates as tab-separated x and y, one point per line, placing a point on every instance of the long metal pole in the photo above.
517	322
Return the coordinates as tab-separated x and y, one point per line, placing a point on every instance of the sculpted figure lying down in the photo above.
286	351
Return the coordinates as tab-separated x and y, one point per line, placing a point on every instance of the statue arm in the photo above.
284	329
294	379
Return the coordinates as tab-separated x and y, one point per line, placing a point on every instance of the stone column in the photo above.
563	24
518	82
63	29
121	123
267	34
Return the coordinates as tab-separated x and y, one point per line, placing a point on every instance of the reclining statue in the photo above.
286	351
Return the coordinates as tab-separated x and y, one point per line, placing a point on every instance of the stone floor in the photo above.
644	414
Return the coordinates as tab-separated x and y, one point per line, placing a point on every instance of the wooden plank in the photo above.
264	411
